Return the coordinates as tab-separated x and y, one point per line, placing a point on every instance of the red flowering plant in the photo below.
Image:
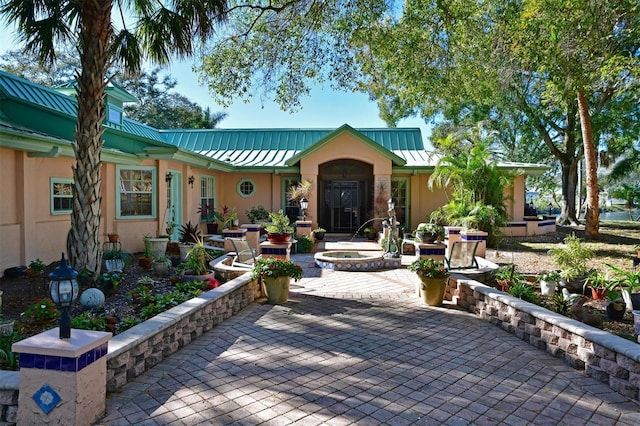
273	268
42	310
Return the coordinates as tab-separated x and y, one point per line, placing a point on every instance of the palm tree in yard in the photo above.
162	30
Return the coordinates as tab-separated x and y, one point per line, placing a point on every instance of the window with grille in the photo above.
136	192
207	196
61	195
246	188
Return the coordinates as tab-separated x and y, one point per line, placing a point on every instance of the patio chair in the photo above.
463	255
245	254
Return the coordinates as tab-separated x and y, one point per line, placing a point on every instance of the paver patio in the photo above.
361	348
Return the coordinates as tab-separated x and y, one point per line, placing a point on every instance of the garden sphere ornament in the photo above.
64	290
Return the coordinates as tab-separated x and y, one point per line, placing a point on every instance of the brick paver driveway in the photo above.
360	348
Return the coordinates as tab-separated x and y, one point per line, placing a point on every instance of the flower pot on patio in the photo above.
432	290
276	289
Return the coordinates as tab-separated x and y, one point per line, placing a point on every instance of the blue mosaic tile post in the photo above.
62	381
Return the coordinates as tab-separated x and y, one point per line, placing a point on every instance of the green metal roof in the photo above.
273	147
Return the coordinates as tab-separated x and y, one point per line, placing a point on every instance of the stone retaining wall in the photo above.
136	350
600	354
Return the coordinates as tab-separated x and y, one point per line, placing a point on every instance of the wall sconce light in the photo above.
168	177
191	180
64	289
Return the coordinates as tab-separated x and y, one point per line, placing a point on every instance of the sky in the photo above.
323	108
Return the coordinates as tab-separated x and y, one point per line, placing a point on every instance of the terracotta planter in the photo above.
279	238
145	262
113	238
432	290
276	289
598	293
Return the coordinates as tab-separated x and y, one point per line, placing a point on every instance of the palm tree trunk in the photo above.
592	214
95	35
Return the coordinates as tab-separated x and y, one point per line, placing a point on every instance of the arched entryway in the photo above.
345	195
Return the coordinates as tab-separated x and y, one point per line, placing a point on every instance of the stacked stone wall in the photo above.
602	355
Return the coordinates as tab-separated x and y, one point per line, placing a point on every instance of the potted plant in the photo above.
146	258
506	277
615	305
113	238
279	230
548	282
113	260
429	232
434	276
370	233
597	282
257	214
629	283
189	235
228	218
211	217
318	233
196	268
35	268
572	259
160	265
275	275
304	244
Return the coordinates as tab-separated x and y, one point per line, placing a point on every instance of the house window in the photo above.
291	207
61	195
114	115
137	192
246	188
207	195
400	195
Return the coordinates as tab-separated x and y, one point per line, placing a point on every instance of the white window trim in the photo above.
53	181
154	192
212	180
239	186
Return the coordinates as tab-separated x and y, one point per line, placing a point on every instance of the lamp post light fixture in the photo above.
304	205
64	289
191	180
168	177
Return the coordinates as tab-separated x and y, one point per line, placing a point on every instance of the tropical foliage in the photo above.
468	167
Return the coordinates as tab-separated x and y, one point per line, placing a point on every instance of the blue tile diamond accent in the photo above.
46	398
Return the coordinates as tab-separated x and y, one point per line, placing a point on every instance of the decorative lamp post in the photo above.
391	211
304	205
64	290
550	206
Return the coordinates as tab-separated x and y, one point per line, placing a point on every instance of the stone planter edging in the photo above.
600	354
